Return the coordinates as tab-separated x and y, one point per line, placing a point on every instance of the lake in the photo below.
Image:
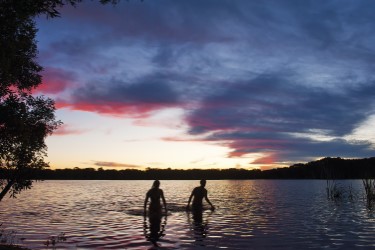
250	214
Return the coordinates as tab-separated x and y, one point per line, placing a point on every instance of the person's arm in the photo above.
191	196
163	199
145	204
208	201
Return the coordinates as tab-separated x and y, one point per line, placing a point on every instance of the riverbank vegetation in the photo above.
8	240
326	168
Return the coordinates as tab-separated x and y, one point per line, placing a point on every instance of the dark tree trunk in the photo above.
6	189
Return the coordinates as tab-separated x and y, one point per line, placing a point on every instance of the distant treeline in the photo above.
327	168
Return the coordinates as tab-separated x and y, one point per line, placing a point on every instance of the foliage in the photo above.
18	67
38	7
343	169
25	121
8	239
326	168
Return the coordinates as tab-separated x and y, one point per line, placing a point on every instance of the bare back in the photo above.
155	195
198	194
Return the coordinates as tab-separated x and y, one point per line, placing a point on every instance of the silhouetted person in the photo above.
155	194
154	212
198	194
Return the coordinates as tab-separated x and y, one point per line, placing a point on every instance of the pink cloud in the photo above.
180	139
118	98
244	146
134	110
269	159
266	167
67	130
115	164
55	81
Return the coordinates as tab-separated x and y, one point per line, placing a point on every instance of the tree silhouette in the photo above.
25	121
323	169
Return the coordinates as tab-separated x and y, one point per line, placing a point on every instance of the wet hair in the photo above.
203	182
156	184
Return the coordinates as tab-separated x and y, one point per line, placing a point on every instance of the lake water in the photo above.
250	214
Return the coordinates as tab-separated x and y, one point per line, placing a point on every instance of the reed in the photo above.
54	240
334	190
369	185
7	236
8	240
350	192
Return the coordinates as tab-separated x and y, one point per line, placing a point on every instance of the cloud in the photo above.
67	130
116	165
250	76
269	159
168	20
314	29
56	80
120	98
262	114
272	102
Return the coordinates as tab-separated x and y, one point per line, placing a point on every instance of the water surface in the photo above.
250	214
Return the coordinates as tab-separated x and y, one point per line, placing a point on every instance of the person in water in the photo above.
199	193
155	194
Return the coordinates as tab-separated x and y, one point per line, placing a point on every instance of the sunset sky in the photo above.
209	84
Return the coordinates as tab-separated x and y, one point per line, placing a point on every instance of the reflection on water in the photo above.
250	214
198	225
154	226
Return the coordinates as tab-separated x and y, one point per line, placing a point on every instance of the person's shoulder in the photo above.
199	189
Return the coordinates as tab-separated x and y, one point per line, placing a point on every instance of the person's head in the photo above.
156	184
203	183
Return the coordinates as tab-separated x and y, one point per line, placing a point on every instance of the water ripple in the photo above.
249	215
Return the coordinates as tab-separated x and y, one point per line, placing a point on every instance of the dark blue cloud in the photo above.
250	73
276	103
146	91
289	148
266	113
